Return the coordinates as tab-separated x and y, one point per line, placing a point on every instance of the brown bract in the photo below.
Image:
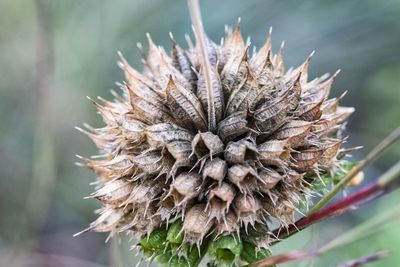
161	161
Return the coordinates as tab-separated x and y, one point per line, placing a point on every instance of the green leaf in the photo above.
175	233
164	258
193	256
187	257
225	251
251	254
155	241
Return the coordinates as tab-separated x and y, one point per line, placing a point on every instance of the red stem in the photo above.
367	193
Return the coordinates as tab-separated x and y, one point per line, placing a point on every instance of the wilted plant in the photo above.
210	149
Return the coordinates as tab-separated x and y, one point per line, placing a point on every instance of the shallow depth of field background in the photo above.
41	190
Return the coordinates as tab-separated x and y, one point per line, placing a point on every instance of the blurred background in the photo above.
55	53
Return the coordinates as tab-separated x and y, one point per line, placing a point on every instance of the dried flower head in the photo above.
217	138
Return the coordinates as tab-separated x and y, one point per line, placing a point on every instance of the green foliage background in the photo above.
40	188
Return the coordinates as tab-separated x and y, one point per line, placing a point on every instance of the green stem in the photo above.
390	177
365	259
371	156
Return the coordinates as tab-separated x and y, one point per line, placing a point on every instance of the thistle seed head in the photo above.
164	158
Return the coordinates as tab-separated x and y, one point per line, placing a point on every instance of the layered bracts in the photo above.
164	159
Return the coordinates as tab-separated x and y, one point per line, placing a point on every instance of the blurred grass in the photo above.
360	37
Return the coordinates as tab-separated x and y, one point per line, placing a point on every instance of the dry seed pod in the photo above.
207	144
294	132
144	193
283	210
114	192
248	209
149	162
112	168
181	62
166	208
220	199
229	224
272	149
186	105
244	94
181	152
215	168
212	134
159	135
240	152
305	160
141	224
108	221
197	224
132	129
330	150
270	115
243	176
185	187
233	126
268	180
311	112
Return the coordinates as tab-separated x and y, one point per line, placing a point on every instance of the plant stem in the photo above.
283	258
299	255
365	259
195	15
384	184
389	179
357	233
371	156
364	229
